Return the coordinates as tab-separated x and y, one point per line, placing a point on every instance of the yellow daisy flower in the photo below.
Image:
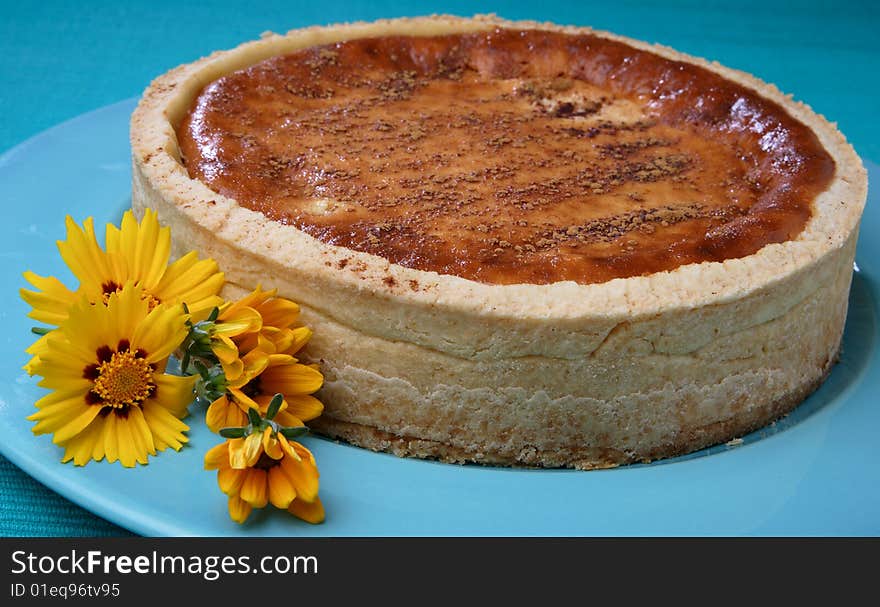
109	396
278	333
265	467
268	375
137	252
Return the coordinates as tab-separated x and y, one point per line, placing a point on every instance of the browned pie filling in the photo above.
508	156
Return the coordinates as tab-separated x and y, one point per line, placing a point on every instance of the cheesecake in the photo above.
517	243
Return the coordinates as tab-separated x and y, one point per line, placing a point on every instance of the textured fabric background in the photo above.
59	59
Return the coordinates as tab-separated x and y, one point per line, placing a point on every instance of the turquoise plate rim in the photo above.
814	473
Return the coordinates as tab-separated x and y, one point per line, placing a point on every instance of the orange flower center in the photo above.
266	463
125	379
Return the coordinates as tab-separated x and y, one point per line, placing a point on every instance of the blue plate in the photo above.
817	472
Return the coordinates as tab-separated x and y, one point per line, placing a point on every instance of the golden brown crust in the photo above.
628	364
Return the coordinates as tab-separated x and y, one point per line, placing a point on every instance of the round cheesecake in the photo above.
517	243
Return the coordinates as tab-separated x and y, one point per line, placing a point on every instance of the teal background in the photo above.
60	59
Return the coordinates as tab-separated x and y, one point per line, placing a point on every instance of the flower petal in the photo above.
84	256
271	446
253	448
51	301
217	457
111	439
255	489
227	354
255	298
291	379
255	362
141	434
125	441
224	414
166	428
60	397
54	415
161	332
303	407
174	393
145	246
85	446
230	480
125	311
239	510
296	340
98	427
40	346
288	449
303	476
193	282
59	357
74	425
244	453
279	312
238	320
281	491
310	512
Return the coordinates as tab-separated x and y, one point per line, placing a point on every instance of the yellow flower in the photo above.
233	321
265	468
257	321
278	333
265	376
109	396
137	252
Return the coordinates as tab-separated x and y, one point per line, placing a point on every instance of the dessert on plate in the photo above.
518	243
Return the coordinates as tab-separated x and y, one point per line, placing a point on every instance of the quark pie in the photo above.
517	243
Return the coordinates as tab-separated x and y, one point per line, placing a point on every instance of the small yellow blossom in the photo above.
266	376
279	333
263	468
233	321
109	396
257	321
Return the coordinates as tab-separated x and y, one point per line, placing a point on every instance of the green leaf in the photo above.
274	406
203	370
294	432
232	432
214	314
40	330
254	417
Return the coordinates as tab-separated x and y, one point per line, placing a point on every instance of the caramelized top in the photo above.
508	156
